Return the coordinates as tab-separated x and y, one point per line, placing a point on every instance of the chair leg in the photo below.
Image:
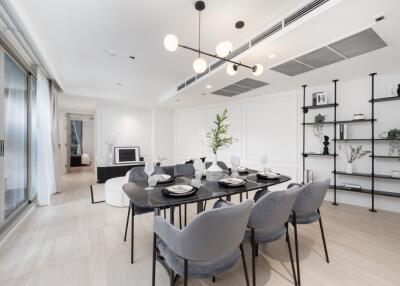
165	214
185	211
256	249
247	195
127	221
172	278
132	234
323	237
291	255
205	206
241	197
246	275
296	242
213	279
253	256
185	275
153	274
180	217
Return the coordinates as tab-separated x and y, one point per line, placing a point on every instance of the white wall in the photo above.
261	126
131	125
272	124
163	135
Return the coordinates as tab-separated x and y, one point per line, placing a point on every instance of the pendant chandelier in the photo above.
223	49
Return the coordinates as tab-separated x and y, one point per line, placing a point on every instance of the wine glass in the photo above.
264	160
149	170
235	162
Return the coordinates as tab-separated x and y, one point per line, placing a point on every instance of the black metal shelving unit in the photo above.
372	175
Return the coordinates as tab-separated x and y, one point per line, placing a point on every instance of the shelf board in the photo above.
318	154
365	175
342	121
367	191
330	105
366	139
382	99
384	156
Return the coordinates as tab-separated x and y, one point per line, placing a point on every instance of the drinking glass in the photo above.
264	160
235	162
149	170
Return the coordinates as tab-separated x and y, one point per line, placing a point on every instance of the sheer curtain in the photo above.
47	170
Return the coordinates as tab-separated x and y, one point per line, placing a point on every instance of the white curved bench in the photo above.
114	194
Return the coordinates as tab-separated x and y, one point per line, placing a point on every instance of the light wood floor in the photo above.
73	242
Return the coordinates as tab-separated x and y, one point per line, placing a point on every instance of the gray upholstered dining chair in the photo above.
268	222
209	245
138	175
306	210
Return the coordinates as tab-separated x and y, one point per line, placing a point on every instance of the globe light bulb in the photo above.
223	49
231	69
199	65
171	42
258	69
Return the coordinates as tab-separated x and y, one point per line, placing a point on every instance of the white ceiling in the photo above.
341	20
77	35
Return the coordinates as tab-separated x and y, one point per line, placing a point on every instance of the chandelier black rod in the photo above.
215	56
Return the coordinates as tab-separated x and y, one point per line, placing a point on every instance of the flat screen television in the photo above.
126	155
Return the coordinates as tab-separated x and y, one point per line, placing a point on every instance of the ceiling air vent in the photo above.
182	85
199	75
216	65
303	11
267	33
354	45
238	51
190	80
242	86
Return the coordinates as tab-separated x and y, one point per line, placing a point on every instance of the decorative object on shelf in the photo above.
326	144
319	120
322	97
352	154
394	143
309	176
314	99
398	90
223	51
218	138
342	131
110	141
347	186
396	173
359	116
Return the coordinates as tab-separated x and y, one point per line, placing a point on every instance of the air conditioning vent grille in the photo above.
242	86
238	51
190	80
267	33
303	11
182	85
216	65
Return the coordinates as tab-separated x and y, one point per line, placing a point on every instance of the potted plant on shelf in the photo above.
218	138
394	144
319	120
352	154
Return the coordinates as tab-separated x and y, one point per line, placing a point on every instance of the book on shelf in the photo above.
341	131
308	176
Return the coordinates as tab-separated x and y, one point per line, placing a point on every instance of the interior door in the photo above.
1	136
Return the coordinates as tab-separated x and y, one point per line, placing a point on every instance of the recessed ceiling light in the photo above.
111	53
271	56
239	24
178	100
208	86
204	93
119	83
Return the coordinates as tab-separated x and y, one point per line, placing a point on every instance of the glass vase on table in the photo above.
264	161
235	163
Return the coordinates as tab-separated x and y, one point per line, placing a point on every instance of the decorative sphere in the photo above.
231	70
259	70
223	49
199	65
171	42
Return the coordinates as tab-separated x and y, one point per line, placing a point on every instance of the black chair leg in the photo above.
247	195
240	197
323	237
291	255
213	279
132	233
246	275
172	278
205	206
253	256
296	242
256	249
180	217
153	274
127	221
185	275
185	213
165	214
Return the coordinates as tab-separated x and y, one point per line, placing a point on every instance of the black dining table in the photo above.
156	200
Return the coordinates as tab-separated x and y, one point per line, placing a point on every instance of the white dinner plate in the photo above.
180	189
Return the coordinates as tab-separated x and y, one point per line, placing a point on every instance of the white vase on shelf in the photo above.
214	172
349	168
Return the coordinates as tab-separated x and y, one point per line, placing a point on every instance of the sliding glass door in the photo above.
15	136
